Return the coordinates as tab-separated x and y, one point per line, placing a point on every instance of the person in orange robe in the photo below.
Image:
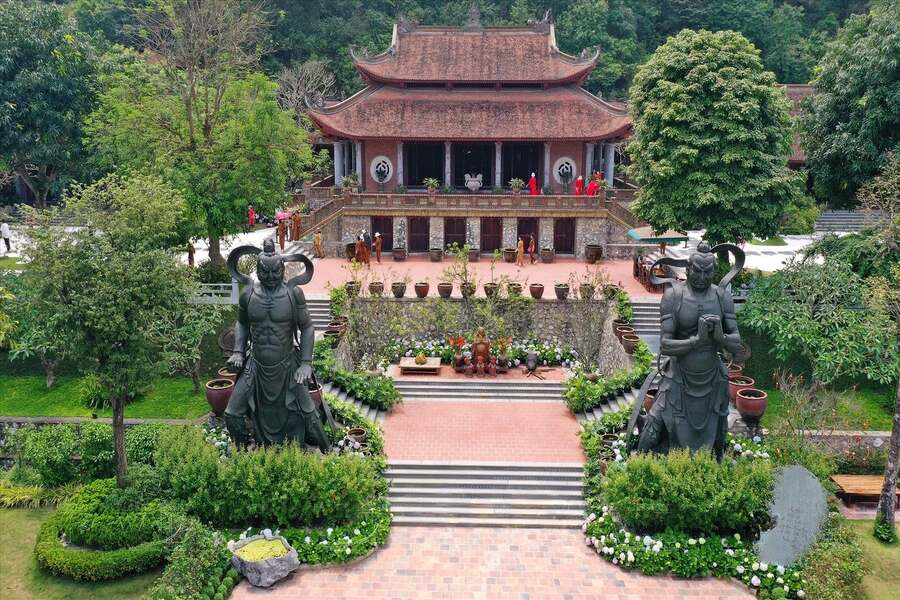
378	242
295	226
318	251
360	254
520	253
281	231
532	250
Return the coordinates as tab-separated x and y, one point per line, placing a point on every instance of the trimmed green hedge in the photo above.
93	565
376	391
582	395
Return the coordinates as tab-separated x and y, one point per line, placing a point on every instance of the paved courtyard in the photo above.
511	564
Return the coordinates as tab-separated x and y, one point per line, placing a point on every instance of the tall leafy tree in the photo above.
711	138
848	128
47	75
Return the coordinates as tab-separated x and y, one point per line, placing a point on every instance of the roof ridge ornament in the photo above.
405	24
474	21
542	26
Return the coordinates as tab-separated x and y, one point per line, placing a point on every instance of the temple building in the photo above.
475	107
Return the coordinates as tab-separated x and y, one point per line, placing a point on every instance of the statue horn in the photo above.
739	258
234	256
666	260
304	277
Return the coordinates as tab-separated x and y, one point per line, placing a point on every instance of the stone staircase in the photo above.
482	494
373	414
646	317
616	404
319	311
846	220
492	389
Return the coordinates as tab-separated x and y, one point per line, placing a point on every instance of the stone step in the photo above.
488	512
438	521
480	482
487	474
487	502
399	464
507	493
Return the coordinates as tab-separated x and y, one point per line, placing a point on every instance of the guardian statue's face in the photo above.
270	271
700	271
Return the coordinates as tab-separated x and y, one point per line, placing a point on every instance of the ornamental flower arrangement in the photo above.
457	343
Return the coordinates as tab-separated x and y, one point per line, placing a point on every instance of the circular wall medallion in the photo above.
381	169
564	166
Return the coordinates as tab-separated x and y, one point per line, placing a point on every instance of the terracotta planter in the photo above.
399	254
315	393
224	373
474	254
398	288
735	370
218	392
337	325
608	439
376	288
650	398
562	291
467	290
332	335
514	289
737	383
629	341
593	253
436	254
752	404
357	434
620	323
490	289
586	290
352	288
509	255
537	290
547	255
445	289
623	330
421	289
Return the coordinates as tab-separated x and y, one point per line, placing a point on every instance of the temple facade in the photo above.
475	107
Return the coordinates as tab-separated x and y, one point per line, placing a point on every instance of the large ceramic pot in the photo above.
735	370
620	323
226	373
436	254
586	290
752	404
352	288
593	253
509	255
623	330
537	290
350	250
547	255
629	341
562	291
467	290
332	335
421	289
737	383
357	434
339	326
474	254
514	289
445	289
218	392
399	253
398	288
490	289
376	288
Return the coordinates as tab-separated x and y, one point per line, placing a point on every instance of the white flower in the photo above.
587	541
647	540
346	539
621	556
779	580
780	569
591	517
763	567
630	556
356	532
757	439
755	566
729	552
754	581
801	594
266	532
307	540
243	536
348	551
692	541
770	575
702	541
329	531
737	536
678	544
740	569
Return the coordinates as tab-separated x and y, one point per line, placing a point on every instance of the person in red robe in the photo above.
251	216
378	241
532	250
579	186
594	186
532	185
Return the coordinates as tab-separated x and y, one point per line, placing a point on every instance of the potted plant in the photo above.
516	185
474	254
629	341
431	184
350	182
490	289
357	434
547	255
226	373
586	291
436	254
445	288
421	288
562	290
398	288
623	330
352	288
537	290
399	253
218	392
593	253
467	289
752	404
376	288
514	288
737	383
547	189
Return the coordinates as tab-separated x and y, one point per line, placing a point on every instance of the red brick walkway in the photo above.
461	563
483	431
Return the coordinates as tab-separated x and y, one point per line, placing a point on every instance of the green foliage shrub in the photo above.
93	565
90	518
797	450
799	216
141	442
90	392
376	391
868	252
48	451
208	272
861	460
883	531
624	309
272	487
691	493
98	456
834	566
582	395
368	531
198	558
339	301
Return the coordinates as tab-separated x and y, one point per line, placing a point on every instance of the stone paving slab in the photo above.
488	563
483	431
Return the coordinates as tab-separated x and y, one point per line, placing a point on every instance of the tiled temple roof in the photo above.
795	93
390	112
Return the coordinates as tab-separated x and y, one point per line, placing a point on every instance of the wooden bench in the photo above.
867	487
408	366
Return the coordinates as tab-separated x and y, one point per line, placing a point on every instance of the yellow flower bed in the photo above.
261	550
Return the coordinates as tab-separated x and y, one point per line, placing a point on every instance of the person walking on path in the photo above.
295	226
251	216
367	247
7	237
190	253
359	255
532	250
281	232
378	241
318	252
520	253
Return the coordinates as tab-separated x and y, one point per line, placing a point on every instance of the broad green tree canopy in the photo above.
711	138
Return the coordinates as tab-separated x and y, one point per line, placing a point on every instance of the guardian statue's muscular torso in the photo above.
272	386
697	323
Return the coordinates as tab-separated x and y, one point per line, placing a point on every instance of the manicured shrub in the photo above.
141	442
195	565
376	391
691	493
270	487
98	456
49	451
582	395
834	566
93	565
345	542
91	518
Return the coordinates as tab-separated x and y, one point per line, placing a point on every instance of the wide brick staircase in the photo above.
484	494
481	389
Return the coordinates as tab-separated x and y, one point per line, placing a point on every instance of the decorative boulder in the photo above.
265	572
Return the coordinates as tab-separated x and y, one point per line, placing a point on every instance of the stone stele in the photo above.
799	509
269	571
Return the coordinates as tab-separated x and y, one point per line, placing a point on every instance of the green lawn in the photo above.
22	579
10	263
772	241
884	562
28	396
860	408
